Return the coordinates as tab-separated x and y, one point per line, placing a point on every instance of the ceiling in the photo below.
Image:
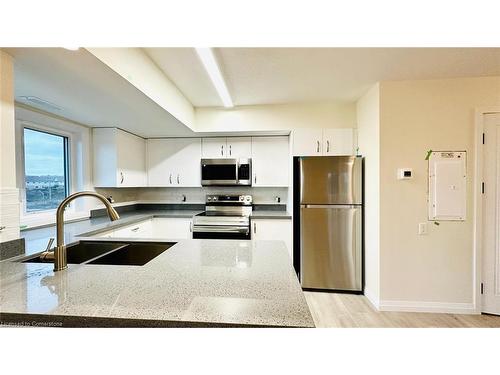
88	92
286	75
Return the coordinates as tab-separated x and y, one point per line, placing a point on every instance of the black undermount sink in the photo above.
134	254
110	253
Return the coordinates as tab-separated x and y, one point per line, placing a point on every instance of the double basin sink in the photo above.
110	253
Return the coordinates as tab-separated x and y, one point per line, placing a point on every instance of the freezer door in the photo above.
331	247
331	180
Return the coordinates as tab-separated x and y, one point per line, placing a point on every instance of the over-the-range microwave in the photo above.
226	172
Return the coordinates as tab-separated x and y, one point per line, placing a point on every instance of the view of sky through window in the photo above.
45	170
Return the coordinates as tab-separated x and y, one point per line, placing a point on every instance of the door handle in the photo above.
230	153
190	226
255	178
222	150
255	227
327	146
122	178
178	179
170	178
317	147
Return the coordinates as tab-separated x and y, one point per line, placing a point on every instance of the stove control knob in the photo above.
241	198
215	198
209	199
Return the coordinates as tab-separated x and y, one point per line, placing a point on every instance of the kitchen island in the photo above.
195	283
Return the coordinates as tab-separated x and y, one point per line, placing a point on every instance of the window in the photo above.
46	170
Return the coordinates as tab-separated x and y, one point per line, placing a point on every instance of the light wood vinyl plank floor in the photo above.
350	311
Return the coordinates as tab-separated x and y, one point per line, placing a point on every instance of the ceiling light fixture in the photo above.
40	102
207	57
72	48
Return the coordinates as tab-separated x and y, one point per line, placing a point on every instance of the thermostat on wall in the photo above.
405	173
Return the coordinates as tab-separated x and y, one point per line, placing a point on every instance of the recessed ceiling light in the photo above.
41	102
210	63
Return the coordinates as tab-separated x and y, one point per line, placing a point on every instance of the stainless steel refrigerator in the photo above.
330	194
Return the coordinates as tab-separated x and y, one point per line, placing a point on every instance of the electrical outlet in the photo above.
422	229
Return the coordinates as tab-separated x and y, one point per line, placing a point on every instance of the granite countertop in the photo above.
193	283
36	239
270	214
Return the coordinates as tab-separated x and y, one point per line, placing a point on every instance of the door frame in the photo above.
478	204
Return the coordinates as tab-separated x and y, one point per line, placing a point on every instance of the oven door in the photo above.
219	172
220	232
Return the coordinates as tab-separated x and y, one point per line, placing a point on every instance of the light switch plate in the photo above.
422	229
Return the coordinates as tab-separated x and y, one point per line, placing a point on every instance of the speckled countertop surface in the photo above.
36	239
265	214
200	281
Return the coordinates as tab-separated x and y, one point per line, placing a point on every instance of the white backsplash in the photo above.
260	195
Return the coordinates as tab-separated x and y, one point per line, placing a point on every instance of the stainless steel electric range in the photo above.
225	217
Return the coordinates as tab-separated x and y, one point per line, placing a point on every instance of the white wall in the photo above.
277	117
9	198
136	67
368	118
80	160
434	271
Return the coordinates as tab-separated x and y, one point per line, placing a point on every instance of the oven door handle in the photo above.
220	229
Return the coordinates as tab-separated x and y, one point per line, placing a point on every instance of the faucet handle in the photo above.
49	244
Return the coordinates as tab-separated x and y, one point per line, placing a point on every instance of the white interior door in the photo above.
491	216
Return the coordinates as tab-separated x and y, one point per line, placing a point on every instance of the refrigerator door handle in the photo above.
330	205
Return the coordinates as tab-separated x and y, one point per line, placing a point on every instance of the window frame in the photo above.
68	161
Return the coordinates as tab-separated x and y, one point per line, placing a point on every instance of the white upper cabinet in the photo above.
174	162
308	142
222	147
213	148
318	142
239	147
339	141
270	161
119	158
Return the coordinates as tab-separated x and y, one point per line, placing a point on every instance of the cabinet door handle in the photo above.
317	147
135	229
327	146
255	227
190	226
2	227
230	153
170	178
178	178
255	178
222	150
122	178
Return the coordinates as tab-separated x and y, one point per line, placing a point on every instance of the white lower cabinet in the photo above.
273	229
173	228
156	228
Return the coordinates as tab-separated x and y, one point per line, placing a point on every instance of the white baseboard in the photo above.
428	307
370	296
